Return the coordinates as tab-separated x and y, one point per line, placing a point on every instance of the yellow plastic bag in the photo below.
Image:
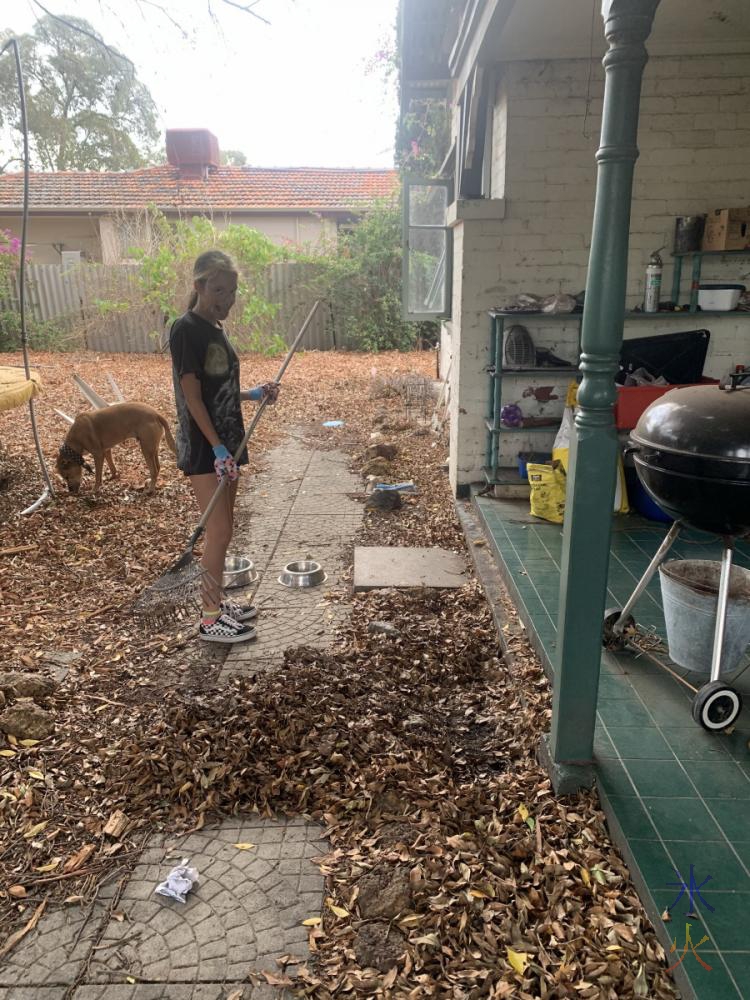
547	491
561	450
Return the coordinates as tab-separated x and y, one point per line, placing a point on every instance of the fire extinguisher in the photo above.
653	282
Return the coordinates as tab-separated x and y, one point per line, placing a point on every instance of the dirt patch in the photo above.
378	946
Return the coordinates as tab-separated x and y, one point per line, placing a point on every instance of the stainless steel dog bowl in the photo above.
239	572
303	573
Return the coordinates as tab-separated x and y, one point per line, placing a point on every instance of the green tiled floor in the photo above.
675	794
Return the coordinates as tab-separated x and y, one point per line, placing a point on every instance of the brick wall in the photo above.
694	140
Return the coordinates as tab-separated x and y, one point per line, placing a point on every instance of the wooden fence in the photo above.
98	305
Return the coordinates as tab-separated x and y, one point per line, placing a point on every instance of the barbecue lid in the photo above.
702	421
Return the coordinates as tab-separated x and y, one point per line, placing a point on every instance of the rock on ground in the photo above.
19	685
382	449
27	721
375	467
383	500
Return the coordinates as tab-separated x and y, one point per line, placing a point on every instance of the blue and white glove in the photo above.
224	464
268	391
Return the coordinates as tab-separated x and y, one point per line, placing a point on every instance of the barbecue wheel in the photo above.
610	639
716	706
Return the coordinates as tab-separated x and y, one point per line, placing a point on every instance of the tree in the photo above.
233	158
86	108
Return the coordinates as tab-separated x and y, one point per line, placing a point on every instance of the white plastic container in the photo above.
719	298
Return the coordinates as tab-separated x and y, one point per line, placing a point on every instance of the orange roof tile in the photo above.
227	189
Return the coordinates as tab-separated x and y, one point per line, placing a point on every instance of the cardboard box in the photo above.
727	229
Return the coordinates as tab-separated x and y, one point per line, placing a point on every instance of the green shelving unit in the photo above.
698	256
494	474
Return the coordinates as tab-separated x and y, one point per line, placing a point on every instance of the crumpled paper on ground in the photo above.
179	882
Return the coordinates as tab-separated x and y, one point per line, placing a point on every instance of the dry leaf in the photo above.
640	985
244	847
19	935
79	858
338	910
36	774
29	743
311	922
7	753
389	979
17	891
49	867
275	979
518	959
34	830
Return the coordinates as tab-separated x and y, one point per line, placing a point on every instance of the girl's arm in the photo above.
191	387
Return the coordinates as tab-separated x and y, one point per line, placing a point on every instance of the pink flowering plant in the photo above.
10	255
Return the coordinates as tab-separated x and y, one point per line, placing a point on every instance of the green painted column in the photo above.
593	455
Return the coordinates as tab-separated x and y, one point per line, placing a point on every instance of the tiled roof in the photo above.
228	188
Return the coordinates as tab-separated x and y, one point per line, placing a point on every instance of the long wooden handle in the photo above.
253	424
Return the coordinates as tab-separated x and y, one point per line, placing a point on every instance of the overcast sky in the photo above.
292	93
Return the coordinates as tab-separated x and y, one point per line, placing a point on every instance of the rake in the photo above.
179	582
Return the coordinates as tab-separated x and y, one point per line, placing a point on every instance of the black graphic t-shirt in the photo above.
201	349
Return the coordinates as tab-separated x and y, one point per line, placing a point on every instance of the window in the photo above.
427	270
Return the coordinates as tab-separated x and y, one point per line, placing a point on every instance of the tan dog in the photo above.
99	431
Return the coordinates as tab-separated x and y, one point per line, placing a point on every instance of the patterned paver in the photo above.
54	953
246	911
282	628
33	992
160	991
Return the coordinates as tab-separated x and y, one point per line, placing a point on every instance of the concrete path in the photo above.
249	906
297	509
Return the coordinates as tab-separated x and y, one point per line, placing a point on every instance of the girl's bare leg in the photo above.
218	536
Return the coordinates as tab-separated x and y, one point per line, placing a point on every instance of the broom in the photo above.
178	583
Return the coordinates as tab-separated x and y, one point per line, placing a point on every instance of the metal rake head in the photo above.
179	585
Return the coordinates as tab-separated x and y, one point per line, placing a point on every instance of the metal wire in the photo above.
12	43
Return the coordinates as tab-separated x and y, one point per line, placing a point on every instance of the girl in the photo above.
206	375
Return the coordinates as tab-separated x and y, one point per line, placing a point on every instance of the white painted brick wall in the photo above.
694	139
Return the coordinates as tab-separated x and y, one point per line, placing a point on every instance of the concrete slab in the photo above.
376	567
246	911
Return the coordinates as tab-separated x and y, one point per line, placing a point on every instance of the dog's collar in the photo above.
74	456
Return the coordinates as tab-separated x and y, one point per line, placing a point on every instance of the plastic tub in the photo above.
633	400
719	298
524	457
642	502
689	590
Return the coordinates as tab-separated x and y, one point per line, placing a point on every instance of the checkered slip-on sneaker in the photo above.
240	612
226	629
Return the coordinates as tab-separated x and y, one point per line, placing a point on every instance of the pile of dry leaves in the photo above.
453	870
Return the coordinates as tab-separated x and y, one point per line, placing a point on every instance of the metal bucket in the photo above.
689	590
688	233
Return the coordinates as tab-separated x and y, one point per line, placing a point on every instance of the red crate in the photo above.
633	400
